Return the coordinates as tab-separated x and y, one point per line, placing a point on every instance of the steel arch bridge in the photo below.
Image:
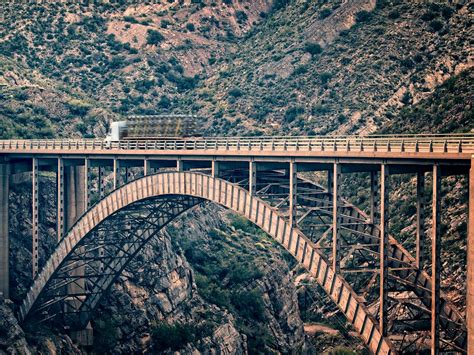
378	285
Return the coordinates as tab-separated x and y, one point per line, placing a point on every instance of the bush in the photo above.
363	16
293	112
394	14
235	92
313	48
78	107
190	27
436	25
175	336
241	16
154	37
325	77
249	304
325	13
165	23
302	69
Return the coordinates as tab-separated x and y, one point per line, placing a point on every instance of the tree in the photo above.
154	37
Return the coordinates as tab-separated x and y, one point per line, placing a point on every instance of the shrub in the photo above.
164	102
154	37
325	77
363	16
313	48
241	16
302	69
175	336
394	14
293	112
78	107
249	304
190	27
325	13
235	92
436	25
165	23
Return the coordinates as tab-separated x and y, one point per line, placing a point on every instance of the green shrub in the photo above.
249	304
313	48
292	112
172	336
154	37
235	92
325	13
363	16
190	27
436	25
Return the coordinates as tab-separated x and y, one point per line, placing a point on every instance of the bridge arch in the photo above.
73	280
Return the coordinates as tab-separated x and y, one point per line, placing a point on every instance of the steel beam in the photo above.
336	176
4	235
215	169
373	193
116	174
436	260
420	217
330	180
384	233
293	194
35	216
179	165
101	182
146	167
252	178
87	184
470	265
60	200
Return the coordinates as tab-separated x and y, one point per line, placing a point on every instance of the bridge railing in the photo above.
405	143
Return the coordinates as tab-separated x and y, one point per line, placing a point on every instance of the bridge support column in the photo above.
420	217
470	265
330	180
101	183
75	195
373	193
436	259
336	176
4	235
292	198
35	216
215	169
146	167
87	184
384	232
60	201
252	178
116	177
179	165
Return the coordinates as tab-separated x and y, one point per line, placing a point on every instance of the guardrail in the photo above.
404	143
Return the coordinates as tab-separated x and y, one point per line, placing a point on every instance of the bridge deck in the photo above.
434	147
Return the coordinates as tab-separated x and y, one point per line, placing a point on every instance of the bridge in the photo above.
112	198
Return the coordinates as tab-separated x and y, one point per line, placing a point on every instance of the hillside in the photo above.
293	67
286	67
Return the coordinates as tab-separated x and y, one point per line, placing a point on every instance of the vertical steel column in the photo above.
87	183
336	181
4	236
215	169
35	215
179	165
420	217
373	193
116	176
384	224
101	183
146	167
436	259
293	194
470	264
60	202
330	180
252	178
